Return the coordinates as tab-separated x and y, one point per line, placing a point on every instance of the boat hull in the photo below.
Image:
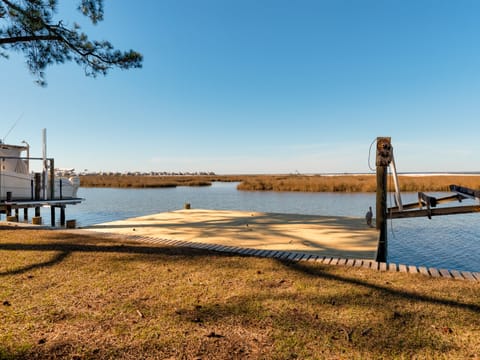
21	187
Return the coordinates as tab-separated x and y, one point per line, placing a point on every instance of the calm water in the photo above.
451	242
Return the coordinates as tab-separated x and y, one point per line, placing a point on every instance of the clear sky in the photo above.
261	86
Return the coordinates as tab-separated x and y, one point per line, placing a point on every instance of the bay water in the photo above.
449	242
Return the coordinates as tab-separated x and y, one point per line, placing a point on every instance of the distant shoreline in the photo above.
302	183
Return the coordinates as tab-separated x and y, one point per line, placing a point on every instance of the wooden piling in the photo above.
71	224
9	208
12	218
384	150
52	216
62	215
38	187
52	179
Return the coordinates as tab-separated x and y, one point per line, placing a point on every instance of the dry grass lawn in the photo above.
77	296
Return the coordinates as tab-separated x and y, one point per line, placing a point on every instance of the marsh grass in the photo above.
314	183
353	183
143	181
71	295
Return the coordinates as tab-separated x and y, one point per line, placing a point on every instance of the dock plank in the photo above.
306	257
445	273
350	262
368	264
434	272
301	257
423	270
468	275
412	269
456	275
392	267
290	256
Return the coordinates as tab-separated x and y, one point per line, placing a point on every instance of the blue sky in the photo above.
262	86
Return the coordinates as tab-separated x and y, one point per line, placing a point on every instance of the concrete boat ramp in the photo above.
340	237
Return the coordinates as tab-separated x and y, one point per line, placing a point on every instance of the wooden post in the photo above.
52	179
52	214
25	214
71	224
383	159
9	207
62	215
38	189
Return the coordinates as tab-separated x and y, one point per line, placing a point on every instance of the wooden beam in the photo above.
434	212
427	200
450	198
465	191
441	200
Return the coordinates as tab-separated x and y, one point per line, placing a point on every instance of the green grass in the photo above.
76	296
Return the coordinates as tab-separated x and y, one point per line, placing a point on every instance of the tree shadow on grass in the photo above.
66	244
352	334
320	272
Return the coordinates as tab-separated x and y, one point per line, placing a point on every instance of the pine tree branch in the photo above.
16	39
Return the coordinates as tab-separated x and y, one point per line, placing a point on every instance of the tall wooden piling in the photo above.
52	179
38	187
62	215
9	207
52	214
383	159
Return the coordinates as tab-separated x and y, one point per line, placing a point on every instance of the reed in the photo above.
354	183
146	181
314	183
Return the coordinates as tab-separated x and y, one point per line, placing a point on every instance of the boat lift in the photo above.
426	206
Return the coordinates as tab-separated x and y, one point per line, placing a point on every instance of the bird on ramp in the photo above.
369	216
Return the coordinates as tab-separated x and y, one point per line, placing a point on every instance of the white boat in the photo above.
17	183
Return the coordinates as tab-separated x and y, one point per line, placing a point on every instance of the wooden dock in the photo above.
11	207
340	237
293	255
